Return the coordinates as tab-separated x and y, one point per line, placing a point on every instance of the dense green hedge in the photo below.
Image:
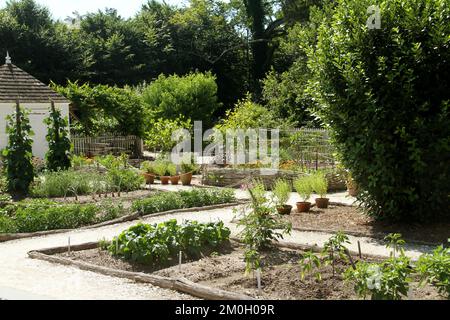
183	199
385	92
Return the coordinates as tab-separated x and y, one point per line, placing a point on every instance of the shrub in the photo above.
385	95
160	168
18	153
319	184
167	201
152	244
159	133
435	269
148	167
303	186
124	179
282	192
193	96
58	155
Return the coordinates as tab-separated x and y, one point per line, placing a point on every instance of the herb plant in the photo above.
282	190
303	187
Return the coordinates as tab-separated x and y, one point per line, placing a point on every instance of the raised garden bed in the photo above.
221	275
352	221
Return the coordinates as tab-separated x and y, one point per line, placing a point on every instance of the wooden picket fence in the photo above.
107	144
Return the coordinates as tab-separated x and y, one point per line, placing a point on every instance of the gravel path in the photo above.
24	278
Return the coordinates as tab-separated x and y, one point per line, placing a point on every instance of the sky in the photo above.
60	9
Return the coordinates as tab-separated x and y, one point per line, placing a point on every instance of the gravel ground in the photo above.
39	278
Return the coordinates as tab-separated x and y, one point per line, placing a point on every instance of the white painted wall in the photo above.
38	112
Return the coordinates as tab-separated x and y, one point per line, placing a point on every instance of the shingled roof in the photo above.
16	84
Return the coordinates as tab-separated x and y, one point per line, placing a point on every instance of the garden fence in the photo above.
107	144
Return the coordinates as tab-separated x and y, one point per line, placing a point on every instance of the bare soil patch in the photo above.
225	270
353	220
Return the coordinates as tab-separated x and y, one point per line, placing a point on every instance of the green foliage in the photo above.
303	186
18	153
159	133
148	167
37	215
319	184
161	168
282	192
124	179
248	114
193	96
308	263
58	155
156	244
103	109
396	243
385	95
184	199
335	249
388	280
260	225
435	269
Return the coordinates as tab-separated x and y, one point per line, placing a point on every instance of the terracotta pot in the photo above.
175	180
149	178
303	206
322	203
285	210
164	180
186	179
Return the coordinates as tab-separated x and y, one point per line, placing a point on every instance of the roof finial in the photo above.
8	58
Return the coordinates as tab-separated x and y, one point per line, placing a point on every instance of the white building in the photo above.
17	85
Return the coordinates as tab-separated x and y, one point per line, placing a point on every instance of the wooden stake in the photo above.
258	280
359	250
180	259
68	248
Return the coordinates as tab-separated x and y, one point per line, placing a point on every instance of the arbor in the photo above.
18	153
58	155
384	92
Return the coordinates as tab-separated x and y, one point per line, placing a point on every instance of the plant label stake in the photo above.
258	279
180	259
68	247
117	245
359	250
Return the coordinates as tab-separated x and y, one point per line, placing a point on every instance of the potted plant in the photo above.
160	168
148	171
187	170
172	170
303	187
320	186
282	191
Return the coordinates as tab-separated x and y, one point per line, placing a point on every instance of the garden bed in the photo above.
352	221
224	271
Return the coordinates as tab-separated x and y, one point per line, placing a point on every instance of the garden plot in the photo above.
224	270
351	220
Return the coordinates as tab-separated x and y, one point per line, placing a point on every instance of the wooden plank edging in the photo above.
178	284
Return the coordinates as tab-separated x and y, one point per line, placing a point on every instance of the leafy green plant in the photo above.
161	168
166	201
308	263
172	169
335	249
18	153
319	184
282	191
58	155
260	224
435	269
148	167
156	244
396	243
124	179
159	133
303	187
388	280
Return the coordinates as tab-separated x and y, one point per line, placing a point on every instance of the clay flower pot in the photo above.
186	179
164	180
285	210
149	178
303	206
175	180
322	203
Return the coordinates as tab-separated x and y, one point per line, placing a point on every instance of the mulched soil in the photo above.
351	219
280	278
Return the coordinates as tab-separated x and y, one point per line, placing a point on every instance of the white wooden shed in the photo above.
17	85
